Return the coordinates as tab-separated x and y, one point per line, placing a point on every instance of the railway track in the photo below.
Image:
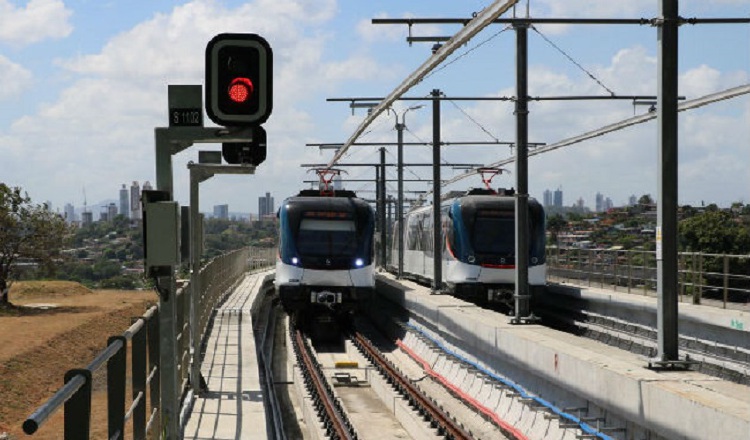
333	416
333	413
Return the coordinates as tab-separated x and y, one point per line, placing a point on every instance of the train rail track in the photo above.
329	409
438	418
332	412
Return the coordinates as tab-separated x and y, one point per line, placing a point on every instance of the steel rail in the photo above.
336	419
451	429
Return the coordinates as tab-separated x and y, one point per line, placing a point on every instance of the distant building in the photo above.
265	207
70	213
147	186
221	212
87	218
633	200
135	201
111	211
124	202
599	204
558	198
547	198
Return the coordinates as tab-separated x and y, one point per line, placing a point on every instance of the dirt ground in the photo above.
55	326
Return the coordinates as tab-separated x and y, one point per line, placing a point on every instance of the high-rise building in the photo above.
599	202
147	186
70	213
124	202
135	201
87	218
111	211
547	198
221	212
558	198
265	207
632	200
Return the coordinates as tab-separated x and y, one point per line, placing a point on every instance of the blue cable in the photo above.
588	429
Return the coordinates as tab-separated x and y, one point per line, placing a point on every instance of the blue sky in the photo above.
84	83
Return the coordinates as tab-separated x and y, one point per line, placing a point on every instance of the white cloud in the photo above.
623	162
100	130
13	77
39	20
396	32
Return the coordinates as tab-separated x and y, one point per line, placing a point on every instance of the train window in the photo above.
320	237
494	233
413	232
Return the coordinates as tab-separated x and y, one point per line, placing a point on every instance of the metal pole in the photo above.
389	229
167	288
400	203
381	208
437	248
666	230
195	278
522	176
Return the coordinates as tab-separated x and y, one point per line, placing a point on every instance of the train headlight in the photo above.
295	260
359	262
471	259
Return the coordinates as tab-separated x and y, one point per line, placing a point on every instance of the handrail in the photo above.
721	277
141	339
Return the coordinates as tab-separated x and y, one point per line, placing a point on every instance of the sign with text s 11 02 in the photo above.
185	117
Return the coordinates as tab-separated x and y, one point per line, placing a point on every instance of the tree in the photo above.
646	200
28	232
555	224
714	232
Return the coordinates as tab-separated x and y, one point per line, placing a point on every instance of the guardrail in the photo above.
141	343
717	277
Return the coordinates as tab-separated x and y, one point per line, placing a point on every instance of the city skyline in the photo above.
125	203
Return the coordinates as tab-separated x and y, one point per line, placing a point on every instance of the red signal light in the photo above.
240	90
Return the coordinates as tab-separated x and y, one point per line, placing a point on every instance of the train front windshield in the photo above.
497	235
327	237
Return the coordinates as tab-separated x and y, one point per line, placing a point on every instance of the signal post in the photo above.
239	98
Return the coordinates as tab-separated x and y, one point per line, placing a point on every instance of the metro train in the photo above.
478	258
325	259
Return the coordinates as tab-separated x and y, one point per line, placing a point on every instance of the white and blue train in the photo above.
478	255
325	252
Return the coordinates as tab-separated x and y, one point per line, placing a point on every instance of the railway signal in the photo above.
253	153
239	80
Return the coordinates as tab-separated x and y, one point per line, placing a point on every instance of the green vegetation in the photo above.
708	229
36	243
110	254
222	236
29	235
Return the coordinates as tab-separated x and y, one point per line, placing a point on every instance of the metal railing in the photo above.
76	394
718	278
141	343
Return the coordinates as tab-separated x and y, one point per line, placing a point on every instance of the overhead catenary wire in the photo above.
468	116
570	58
482	20
467	52
685	106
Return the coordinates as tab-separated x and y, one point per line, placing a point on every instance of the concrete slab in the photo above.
233	406
685	405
